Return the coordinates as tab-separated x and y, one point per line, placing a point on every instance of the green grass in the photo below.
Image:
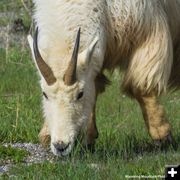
111	168
17	100
13	154
16	9
15	5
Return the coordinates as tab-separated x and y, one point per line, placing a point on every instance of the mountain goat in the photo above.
76	40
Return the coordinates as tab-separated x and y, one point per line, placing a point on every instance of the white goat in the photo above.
140	36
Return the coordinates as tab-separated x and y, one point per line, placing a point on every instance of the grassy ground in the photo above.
123	148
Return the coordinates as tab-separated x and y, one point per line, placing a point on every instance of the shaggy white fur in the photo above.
138	35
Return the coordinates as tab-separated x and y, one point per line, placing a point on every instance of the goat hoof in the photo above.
91	148
166	142
88	148
170	140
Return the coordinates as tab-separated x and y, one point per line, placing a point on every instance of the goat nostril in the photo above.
61	146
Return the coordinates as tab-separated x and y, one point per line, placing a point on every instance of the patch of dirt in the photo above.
38	154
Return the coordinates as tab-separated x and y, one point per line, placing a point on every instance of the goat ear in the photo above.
86	55
30	41
44	70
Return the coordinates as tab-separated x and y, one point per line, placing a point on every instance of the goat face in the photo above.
68	101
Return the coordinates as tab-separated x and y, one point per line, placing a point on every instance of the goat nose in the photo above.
60	146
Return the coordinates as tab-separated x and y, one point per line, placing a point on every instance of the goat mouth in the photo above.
62	152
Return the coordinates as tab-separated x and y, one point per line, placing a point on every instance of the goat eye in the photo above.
80	95
45	95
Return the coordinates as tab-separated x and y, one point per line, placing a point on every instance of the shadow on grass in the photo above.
133	148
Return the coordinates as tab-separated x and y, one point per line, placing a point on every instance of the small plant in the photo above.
12	154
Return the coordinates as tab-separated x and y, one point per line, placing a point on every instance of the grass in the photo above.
123	147
6	5
12	154
18	81
113	168
16	9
